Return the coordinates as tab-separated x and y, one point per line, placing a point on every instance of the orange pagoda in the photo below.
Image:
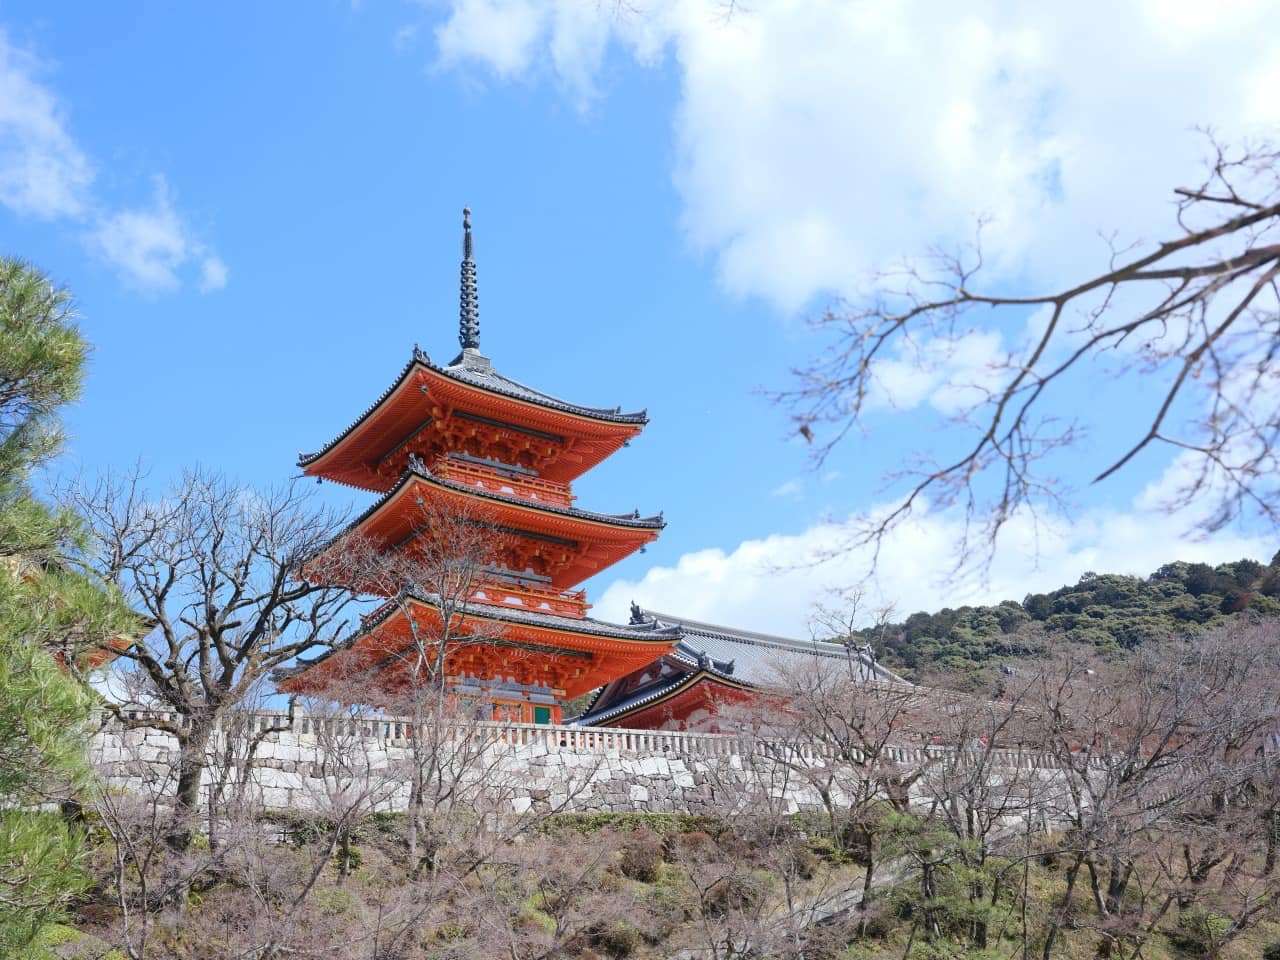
464	436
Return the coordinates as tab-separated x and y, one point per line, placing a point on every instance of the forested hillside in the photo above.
1105	611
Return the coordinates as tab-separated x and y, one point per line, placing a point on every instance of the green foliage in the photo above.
42	730
659	823
40	863
56	941
944	888
1108	612
642	857
43	711
1198	930
47	612
1271	950
42	359
617	938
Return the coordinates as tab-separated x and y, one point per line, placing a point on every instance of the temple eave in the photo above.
673	705
574	656
394	411
590	541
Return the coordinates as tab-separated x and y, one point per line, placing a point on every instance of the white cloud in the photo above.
772	584
502	32
953	373
506	35
150	246
213	275
819	139
791	489
45	173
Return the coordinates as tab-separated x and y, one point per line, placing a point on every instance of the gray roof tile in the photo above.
744	656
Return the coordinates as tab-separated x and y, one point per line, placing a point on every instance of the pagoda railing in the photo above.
398	731
573	604
533	489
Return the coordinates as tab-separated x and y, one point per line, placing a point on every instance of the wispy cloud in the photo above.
43	171
213	274
792	489
46	174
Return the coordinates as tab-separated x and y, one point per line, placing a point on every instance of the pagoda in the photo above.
472	441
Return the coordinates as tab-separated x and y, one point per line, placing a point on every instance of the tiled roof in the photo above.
757	658
632	520
743	657
502	613
657	691
482	375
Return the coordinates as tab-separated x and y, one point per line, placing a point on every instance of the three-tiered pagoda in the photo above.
473	441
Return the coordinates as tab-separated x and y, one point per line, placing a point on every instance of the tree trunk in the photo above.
978	896
412	818
1273	836
191	763
344	853
869	851
1117	883
1056	923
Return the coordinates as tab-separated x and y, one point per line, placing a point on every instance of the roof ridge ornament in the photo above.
469	306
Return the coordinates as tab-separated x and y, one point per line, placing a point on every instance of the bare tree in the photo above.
978	785
860	726
1198	314
432	582
1158	743
223	573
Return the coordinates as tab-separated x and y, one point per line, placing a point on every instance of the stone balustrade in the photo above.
303	762
608	740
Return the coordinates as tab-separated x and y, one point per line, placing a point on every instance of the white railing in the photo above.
555	737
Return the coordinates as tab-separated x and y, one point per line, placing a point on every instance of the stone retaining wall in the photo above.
320	763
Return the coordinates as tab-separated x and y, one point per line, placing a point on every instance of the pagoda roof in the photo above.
588	626
483	375
592	541
727	656
471	373
418	471
629	639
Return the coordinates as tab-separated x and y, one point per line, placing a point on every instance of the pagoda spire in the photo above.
469	307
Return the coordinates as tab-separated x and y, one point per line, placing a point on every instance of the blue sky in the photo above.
258	209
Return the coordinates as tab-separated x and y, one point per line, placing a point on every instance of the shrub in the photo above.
618	938
1271	951
697	844
1198	930
738	892
642	857
805	862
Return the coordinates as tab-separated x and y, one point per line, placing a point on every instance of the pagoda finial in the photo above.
469	309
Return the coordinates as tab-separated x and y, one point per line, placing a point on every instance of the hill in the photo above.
1105	611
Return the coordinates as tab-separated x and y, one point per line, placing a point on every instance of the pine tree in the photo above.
49	614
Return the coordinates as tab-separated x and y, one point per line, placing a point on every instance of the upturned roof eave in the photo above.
533	397
668	691
620	521
585	626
